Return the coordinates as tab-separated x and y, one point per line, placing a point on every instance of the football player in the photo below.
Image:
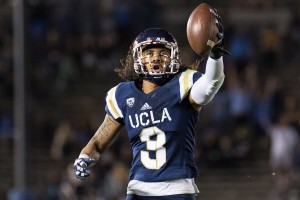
159	105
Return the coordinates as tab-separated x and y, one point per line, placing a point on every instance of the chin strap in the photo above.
159	79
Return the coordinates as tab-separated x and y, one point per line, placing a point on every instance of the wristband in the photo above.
83	156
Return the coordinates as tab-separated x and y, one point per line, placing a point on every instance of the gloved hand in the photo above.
81	164
217	51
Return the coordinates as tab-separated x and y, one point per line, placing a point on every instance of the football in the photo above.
201	29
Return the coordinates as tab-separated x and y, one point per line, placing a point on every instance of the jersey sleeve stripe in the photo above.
112	104
186	82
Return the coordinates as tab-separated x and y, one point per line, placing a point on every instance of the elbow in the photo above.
204	91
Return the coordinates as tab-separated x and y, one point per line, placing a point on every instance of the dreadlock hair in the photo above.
126	70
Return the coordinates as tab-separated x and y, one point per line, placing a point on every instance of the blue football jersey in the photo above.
160	126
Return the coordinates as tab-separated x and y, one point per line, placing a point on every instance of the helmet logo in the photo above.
156	39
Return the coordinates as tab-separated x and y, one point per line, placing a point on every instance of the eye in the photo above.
164	53
148	53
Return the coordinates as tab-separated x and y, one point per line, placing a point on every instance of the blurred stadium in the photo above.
247	138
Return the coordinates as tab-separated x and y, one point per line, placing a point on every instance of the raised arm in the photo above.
102	139
205	88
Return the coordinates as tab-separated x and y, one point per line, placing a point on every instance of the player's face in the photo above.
156	59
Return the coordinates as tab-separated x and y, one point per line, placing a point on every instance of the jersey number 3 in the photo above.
153	145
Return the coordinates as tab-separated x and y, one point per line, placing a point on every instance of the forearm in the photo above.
92	150
103	138
214	69
205	88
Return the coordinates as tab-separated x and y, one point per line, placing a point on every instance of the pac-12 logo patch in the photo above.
130	101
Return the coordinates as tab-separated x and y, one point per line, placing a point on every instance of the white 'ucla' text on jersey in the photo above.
160	126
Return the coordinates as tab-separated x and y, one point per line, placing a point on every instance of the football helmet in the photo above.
156	37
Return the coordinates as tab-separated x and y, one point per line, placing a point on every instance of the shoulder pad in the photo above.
186	82
112	103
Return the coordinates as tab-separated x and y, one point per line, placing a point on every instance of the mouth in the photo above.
157	68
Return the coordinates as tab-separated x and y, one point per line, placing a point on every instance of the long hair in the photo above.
127	73
126	70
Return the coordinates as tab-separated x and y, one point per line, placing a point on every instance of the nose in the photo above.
156	58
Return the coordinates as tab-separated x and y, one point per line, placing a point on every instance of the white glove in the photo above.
81	164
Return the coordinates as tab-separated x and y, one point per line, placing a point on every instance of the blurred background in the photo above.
53	87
